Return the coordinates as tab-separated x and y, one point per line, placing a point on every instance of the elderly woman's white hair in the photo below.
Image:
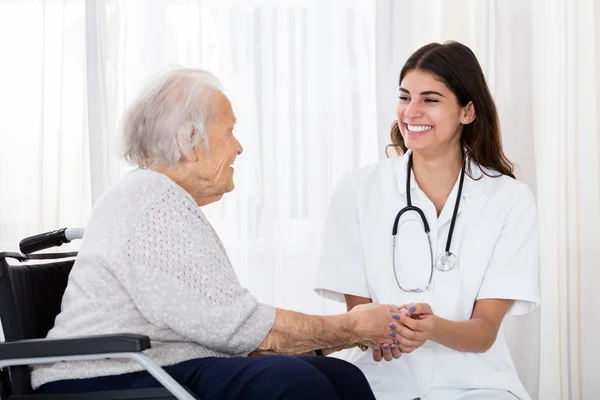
169	117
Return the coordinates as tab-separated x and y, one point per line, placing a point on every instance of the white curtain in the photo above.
314	87
566	110
44	163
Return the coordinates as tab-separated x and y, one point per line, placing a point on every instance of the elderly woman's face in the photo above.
215	165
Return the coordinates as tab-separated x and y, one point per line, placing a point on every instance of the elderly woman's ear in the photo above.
188	153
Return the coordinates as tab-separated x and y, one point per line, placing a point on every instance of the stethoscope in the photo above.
445	261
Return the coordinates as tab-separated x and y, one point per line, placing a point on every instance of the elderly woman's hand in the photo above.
372	323
414	326
385	352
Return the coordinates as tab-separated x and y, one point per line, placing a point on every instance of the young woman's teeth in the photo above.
419	128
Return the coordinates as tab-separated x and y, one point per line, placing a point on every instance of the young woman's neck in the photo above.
436	174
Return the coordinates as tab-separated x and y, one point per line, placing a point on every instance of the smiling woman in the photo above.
158	133
456	102
429	115
212	162
150	252
460	206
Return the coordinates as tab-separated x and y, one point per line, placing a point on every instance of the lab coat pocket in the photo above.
476	256
477	249
456	290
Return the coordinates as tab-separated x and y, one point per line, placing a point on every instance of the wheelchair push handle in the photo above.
49	239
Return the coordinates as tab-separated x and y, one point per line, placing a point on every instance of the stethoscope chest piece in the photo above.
445	261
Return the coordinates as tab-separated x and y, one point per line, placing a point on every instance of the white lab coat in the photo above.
496	242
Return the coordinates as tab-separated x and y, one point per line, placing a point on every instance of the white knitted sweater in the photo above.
150	263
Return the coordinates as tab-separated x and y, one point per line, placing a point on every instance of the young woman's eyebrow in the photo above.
425	93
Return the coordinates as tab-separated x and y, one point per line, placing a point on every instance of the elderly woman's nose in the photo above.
240	148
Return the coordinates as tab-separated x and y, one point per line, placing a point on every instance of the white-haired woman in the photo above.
151	263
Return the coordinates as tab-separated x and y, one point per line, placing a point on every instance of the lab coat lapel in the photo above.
472	187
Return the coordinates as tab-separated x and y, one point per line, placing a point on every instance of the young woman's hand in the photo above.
415	327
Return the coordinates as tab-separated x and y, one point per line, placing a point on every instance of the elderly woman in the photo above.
151	263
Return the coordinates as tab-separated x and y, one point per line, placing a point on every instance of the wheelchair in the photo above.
30	299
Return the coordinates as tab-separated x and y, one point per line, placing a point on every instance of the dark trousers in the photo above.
264	378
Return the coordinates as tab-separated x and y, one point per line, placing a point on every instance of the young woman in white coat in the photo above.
446	229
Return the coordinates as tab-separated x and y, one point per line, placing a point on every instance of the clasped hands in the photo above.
412	327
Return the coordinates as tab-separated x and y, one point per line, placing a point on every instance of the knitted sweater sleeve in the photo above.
179	276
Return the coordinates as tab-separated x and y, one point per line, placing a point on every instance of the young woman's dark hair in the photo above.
456	65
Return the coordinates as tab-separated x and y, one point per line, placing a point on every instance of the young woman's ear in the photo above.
468	114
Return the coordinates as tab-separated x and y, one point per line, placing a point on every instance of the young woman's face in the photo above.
429	115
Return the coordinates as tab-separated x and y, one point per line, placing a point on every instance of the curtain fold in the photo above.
565	58
102	160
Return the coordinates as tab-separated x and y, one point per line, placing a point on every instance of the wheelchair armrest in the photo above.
85	345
